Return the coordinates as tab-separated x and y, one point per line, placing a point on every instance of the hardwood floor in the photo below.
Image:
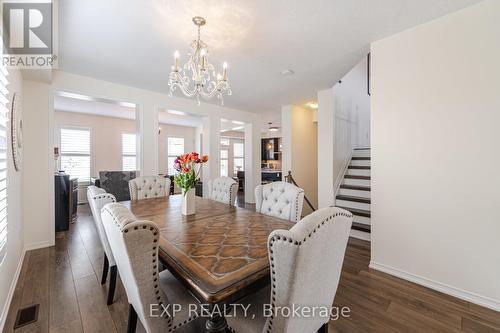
64	280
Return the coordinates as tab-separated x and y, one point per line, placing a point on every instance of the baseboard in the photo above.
360	235
37	245
10	294
446	289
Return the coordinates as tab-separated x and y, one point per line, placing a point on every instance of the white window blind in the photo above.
75	153
224	159
4	116
239	157
175	147
129	152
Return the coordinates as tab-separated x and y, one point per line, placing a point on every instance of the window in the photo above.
224	155
129	149
75	153
4	116
175	147
239	157
224	142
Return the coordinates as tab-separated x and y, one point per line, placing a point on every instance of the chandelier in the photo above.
197	77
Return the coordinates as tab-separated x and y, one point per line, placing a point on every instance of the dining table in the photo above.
219	253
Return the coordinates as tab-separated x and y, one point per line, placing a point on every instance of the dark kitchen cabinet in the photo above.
270	149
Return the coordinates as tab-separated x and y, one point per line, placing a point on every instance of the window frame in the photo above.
129	155
91	150
242	157
174	155
224	159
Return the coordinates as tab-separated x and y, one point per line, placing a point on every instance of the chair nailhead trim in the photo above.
154	255
297	243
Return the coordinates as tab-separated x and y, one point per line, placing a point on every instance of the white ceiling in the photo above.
133	42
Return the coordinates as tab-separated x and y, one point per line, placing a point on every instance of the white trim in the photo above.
12	289
38	245
441	287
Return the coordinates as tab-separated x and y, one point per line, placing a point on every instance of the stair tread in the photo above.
355	187
358	212
359	167
361	158
353	198
361	227
357	177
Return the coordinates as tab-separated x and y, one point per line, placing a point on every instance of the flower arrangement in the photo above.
185	165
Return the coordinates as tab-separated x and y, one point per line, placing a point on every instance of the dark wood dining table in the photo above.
219	253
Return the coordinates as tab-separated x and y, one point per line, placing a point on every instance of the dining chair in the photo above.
149	187
306	262
97	198
280	199
135	245
223	189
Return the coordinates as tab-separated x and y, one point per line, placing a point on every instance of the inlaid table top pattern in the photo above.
218	251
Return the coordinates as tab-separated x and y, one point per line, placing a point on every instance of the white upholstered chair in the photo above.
146	187
223	189
306	262
135	245
97	198
280	199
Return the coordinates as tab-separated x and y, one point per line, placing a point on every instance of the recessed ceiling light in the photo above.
312	105
237	122
178	113
287	72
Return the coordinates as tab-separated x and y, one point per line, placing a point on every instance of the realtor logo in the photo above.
28	35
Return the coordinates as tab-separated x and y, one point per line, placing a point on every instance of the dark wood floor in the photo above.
64	280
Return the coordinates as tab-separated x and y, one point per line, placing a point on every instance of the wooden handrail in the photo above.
289	179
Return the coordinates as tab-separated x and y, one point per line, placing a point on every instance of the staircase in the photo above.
354	192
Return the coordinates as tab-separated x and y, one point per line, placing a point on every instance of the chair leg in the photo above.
323	329
112	285
132	319
105	269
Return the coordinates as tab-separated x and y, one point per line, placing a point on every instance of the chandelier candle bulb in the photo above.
224	74
176	57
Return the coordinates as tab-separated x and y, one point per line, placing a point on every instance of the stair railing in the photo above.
289	179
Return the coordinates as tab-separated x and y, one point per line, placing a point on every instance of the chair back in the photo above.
280	199
135	244
223	189
146	187
116	183
306	262
98	198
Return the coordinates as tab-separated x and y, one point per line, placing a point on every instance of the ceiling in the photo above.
320	40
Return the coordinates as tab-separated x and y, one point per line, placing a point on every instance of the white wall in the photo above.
38	175
343	124
11	264
435	160
300	150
